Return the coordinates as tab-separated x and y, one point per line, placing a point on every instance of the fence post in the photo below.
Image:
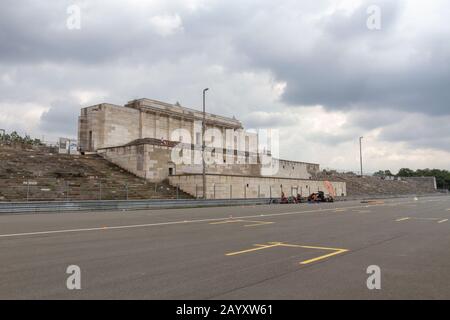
270	192
126	190
100	191
28	189
214	191
231	191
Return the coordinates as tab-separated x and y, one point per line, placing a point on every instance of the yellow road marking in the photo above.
336	251
324	256
373	201
258	223
402	219
443	220
259	247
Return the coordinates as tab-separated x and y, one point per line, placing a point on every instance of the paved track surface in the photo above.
306	251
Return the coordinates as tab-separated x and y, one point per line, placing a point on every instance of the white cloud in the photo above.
166	25
85	97
22	117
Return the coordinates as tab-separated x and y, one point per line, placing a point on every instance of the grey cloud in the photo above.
372	119
354	27
61	118
349	67
36	32
269	120
376	78
420	131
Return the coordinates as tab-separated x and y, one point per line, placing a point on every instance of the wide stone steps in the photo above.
43	174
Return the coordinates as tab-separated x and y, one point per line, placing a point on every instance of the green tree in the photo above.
406	172
442	176
383	173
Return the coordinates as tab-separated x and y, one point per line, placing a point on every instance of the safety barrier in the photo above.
59	206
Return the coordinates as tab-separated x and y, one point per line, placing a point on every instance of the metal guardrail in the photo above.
59	206
390	196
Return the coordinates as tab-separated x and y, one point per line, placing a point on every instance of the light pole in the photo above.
360	154
203	144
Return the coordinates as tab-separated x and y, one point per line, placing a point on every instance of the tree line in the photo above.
442	176
15	138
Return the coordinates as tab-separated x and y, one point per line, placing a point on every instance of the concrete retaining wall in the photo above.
225	187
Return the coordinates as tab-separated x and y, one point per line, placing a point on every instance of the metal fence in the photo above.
61	206
49	189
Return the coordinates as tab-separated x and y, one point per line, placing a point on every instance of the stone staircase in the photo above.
40	173
370	185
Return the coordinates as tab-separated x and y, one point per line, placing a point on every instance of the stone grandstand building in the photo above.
158	141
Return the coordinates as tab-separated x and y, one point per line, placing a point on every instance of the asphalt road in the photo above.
306	251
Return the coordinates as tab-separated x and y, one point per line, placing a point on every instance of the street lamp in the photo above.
360	154
203	144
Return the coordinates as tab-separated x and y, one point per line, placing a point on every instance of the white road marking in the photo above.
172	222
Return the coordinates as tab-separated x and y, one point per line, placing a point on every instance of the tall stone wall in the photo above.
129	158
156	159
108	125
372	185
155	163
295	169
225	186
426	183
146	161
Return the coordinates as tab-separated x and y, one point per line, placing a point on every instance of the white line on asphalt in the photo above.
172	222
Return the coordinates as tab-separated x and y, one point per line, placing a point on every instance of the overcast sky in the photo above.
322	72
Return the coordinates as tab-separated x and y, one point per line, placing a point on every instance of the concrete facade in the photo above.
295	169
154	159
107	125
157	141
226	186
